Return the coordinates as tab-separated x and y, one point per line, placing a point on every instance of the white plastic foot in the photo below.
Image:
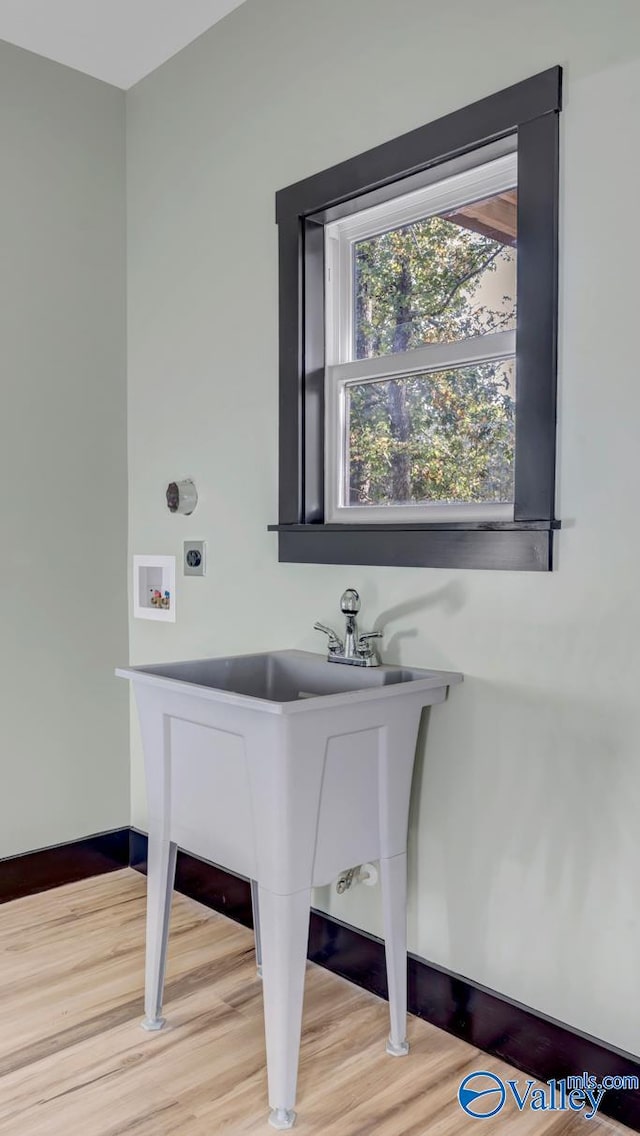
151	1025
282	1118
399	1050
259	970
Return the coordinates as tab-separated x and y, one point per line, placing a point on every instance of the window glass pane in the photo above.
446	278
441	436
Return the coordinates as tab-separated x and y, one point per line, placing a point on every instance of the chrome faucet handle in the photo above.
335	642
365	647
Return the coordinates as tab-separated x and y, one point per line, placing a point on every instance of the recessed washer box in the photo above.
154	588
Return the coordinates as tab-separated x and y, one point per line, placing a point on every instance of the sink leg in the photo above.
160	879
284	926
393	878
255	904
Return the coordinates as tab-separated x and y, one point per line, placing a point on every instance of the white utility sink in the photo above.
287	769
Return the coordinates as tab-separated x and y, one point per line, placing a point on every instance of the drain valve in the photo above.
362	874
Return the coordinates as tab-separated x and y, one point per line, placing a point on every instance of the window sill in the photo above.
525	546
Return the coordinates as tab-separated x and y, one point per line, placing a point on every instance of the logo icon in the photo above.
481	1095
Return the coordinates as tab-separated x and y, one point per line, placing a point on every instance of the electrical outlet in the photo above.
195	557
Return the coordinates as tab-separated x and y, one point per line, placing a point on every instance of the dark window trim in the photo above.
496	148
530	110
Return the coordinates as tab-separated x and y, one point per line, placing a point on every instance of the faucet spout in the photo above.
351	637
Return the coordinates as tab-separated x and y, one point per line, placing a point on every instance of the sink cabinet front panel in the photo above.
348	829
210	799
289	801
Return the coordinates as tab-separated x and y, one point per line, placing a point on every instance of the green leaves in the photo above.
456	444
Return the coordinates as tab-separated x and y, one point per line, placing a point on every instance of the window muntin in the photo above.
423	285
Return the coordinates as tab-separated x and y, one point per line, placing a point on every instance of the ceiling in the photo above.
119	41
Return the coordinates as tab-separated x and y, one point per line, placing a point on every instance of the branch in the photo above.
463	280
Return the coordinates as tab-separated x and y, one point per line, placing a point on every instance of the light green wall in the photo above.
524	846
64	761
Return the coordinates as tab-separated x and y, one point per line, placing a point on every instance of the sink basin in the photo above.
283	678
287	769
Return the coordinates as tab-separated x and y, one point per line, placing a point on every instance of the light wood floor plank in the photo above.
74	1061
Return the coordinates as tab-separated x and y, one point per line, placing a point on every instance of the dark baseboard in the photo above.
47	868
536	1044
214	887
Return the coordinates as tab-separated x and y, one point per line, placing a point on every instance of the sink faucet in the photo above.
355	650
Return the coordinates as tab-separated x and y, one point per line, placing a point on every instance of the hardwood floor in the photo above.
74	1062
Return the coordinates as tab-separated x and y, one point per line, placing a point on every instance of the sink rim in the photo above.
426	679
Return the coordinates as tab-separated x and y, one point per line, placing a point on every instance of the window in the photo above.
420	317
418	344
